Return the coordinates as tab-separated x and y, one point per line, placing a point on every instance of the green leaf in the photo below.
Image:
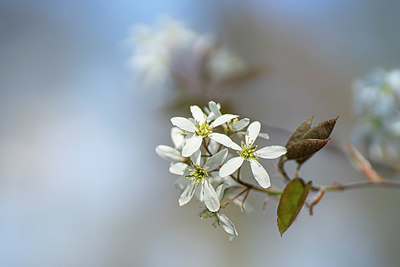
300	131
305	148
320	131
291	202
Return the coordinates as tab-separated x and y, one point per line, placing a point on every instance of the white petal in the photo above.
218	179
192	145
210	196
214	109
192	121
224	140
222	119
230	166
263	135
189	135
201	193
169	153
226	224
196	157
198	114
181	183
177	138
187	193
220	190
183	124
260	174
271	152
213	146
252	132
178	168
216	160
211	117
239	125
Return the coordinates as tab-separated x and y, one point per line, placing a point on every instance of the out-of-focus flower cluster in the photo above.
206	159
170	54
377	105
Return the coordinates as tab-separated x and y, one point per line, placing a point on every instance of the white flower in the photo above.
178	137
201	128
214	112
221	219
199	178
393	80
376	102
223	64
247	152
172	153
377	95
169	153
154	49
233	126
226	224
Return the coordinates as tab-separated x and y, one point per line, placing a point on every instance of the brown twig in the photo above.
235	197
383	183
315	202
238	173
281	168
206	148
244	199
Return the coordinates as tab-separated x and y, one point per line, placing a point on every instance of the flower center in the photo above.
248	152
203	130
198	173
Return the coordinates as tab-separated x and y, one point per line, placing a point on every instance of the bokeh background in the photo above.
80	184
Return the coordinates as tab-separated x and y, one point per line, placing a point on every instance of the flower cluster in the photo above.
205	155
170	47
377	105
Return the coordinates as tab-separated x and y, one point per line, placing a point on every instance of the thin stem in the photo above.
297	174
281	168
383	183
318	199
235	197
244	199
206	148
265	202
250	186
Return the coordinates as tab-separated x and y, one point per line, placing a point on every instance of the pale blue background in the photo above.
80	184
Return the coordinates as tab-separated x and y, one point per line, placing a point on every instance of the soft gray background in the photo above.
80	184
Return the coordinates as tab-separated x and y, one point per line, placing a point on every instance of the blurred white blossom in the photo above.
154	47
169	51
376	104
224	64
